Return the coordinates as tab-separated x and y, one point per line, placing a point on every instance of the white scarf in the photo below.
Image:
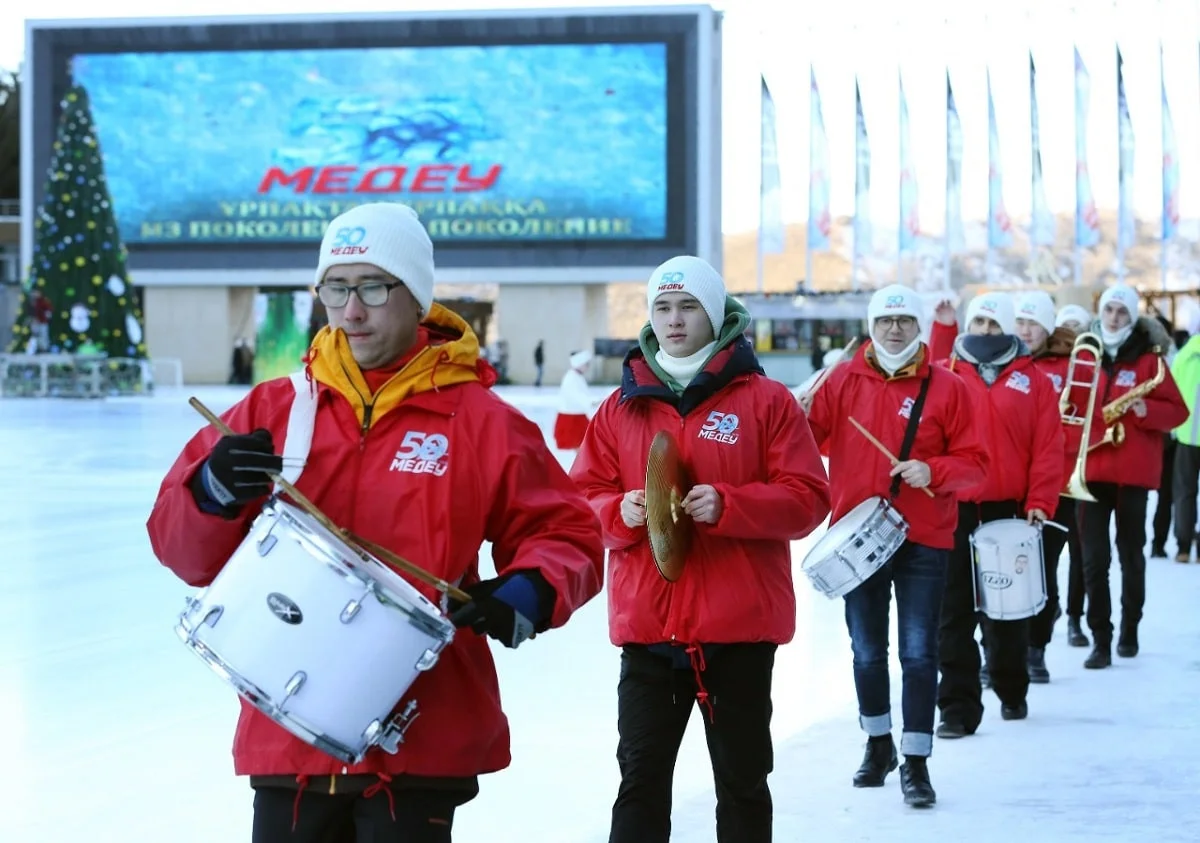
892	363
683	369
1114	340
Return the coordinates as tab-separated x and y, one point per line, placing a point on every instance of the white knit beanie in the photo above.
1123	295
1073	313
895	300
580	359
691	275
388	235
995	306
1038	307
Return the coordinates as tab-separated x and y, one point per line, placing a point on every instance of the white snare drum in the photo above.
855	547
321	640
1009	577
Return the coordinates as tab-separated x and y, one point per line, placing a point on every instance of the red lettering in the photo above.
394	185
431	178
345	178
300	179
334	179
468	183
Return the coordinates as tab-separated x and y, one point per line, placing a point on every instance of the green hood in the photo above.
1185	368
737	319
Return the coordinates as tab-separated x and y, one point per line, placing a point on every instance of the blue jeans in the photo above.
919	573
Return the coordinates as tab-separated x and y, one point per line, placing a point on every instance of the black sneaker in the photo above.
1014	712
1075	636
1036	666
952	729
879	760
1100	657
1158	551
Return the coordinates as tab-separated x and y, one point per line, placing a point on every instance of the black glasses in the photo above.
371	294
904	323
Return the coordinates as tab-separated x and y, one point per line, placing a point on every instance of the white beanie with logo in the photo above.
388	235
1037	306
1123	295
1073	313
696	278
895	300
995	306
580	359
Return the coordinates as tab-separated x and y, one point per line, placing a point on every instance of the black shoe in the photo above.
914	782
1158	551
1075	636
1100	657
952	729
879	760
1127	644
1036	665
1014	712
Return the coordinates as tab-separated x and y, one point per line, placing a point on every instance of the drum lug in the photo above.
391	736
294	685
265	544
428	659
350	611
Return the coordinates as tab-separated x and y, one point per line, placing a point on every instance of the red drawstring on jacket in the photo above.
307	359
382	784
696	656
301	782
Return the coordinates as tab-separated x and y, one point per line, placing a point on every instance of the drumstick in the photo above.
353	540
883	449
828	370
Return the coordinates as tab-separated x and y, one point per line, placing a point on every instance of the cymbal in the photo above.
669	527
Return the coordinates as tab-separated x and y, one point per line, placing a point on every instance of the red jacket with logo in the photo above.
1138	460
946	440
369	470
1054	367
1019	424
741	433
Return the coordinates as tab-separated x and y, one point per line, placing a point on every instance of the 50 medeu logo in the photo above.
346	241
720	427
422	453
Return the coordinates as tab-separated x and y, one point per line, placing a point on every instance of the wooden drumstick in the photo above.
847	352
354	541
883	449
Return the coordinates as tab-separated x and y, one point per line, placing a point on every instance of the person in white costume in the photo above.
574	404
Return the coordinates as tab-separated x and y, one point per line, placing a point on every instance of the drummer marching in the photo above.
922	415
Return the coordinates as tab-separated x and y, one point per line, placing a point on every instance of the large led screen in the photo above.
504	143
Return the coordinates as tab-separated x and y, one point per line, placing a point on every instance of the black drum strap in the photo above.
910	432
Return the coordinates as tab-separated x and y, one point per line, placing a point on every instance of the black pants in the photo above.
1162	509
960	695
1041	625
1128	503
1186	470
655	699
412	815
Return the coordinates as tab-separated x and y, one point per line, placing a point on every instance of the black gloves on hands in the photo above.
235	473
509	608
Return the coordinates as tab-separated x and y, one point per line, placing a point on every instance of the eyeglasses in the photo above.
904	323
371	294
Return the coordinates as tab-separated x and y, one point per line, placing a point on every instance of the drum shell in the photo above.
854	548
1008	572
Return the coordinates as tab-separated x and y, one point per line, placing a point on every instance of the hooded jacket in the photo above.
430	465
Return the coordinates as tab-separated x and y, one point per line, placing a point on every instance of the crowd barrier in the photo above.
83	376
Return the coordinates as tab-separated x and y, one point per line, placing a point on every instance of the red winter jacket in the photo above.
496	482
1137	461
741	433
946	440
1018	422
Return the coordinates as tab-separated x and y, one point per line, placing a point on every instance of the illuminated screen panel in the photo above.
499	143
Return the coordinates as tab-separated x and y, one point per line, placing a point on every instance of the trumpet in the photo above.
1114	434
1085	344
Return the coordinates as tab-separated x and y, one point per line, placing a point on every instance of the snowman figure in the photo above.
80	321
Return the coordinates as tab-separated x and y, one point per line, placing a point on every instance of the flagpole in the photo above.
758	264
900	184
1120	168
1162	83
946	250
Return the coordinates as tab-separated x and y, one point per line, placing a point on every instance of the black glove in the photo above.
509	608
235	473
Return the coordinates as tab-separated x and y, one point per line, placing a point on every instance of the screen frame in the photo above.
691	35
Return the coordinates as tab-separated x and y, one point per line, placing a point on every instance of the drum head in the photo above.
842	530
669	527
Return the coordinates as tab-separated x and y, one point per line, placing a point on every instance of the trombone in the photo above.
1086	344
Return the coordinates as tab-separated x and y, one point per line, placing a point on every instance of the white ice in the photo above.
123	735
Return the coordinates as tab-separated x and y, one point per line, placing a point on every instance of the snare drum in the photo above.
1010	579
320	639
855	547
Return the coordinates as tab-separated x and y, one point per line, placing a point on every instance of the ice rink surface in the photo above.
123	735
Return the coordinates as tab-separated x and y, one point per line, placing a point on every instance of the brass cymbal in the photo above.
669	527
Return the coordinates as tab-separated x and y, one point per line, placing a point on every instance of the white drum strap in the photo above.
302	419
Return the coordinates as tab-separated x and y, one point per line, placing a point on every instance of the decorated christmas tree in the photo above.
78	263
